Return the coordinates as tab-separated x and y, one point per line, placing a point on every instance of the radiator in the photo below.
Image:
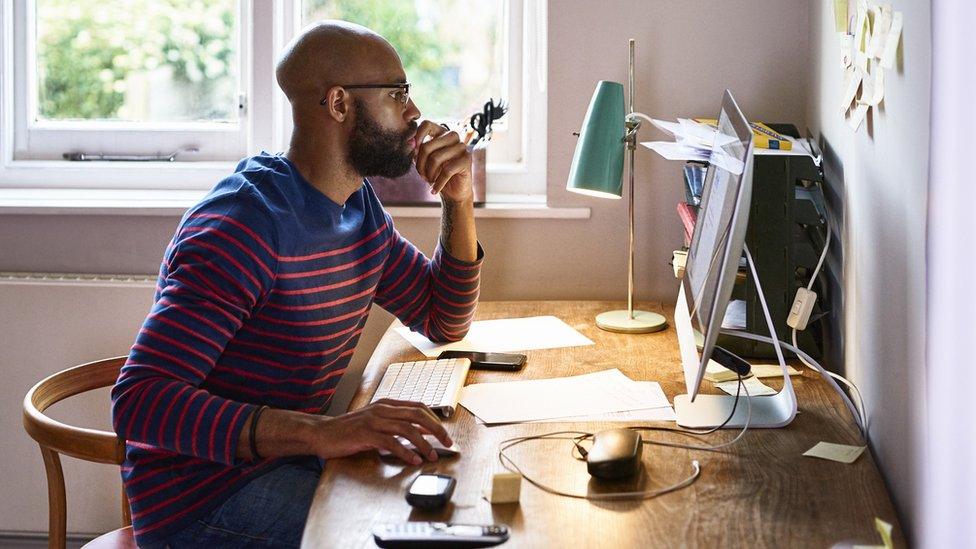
49	322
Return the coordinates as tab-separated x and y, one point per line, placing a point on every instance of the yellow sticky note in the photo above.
835	452
884	529
772	370
840	15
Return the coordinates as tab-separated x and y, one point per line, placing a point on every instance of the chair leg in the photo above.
126	510
57	512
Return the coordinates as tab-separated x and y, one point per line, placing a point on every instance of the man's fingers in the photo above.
426	149
414	412
429	128
392	444
452	168
422	417
412	433
442	156
408	404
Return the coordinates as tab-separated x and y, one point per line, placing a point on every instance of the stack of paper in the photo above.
700	140
600	396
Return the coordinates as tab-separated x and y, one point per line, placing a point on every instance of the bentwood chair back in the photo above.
56	438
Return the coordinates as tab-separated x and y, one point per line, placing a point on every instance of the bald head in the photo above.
332	53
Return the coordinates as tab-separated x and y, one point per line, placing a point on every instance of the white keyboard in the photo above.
436	383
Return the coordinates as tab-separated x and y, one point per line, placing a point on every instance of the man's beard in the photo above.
375	150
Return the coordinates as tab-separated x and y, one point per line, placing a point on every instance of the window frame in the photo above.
266	123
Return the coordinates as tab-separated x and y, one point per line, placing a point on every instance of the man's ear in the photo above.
338	103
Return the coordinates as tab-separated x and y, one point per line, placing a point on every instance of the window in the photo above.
192	81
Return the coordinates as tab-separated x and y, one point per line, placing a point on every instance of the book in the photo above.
764	137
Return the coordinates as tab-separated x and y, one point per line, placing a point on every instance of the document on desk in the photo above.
585	395
505	335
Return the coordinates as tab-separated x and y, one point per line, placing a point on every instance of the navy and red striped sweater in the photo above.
262	295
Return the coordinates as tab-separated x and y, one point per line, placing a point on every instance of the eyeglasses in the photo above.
400	91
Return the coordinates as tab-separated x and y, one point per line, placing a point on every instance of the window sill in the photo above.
131	202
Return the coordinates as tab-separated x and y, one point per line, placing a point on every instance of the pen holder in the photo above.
412	190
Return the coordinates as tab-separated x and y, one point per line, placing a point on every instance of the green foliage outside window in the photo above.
429	57
87	50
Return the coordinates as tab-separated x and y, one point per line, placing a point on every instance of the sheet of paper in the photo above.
867	90
857	116
879	36
582	395
891	42
658	413
755	387
735	315
847	50
673	128
716	373
505	335
878	74
835	452
852	82
677	151
650	414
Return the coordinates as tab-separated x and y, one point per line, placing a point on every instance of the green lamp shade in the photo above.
598	163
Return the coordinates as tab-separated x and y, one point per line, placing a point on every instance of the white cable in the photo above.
641	115
861	411
823	256
711	448
857	393
511	466
816	366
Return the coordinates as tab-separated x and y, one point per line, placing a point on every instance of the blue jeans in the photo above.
269	511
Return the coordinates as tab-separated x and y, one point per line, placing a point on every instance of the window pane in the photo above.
452	50
137	60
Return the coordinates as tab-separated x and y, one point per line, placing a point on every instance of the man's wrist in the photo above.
467	201
309	432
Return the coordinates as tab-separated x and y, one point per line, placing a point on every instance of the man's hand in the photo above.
444	161
374	428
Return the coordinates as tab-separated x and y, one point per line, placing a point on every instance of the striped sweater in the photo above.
262	296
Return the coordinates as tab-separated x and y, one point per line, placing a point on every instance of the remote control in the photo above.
439	534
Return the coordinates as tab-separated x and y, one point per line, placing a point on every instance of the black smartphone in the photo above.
430	491
507	362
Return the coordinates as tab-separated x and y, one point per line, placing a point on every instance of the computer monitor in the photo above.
710	272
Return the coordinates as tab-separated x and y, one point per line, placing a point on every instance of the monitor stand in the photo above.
708	411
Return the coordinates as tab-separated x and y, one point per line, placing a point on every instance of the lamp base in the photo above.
620	321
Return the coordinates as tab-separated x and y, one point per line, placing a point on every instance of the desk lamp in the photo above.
597	170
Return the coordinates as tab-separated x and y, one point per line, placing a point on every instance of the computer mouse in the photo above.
442	451
616	453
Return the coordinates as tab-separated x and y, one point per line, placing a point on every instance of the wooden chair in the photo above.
56	438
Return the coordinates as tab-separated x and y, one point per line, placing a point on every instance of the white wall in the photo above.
687	54
45	328
879	183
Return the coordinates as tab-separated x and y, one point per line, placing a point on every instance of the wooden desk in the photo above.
761	492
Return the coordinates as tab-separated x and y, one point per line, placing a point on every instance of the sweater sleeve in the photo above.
436	297
218	269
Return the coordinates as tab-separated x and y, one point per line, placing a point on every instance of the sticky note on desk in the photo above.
754	386
884	529
835	452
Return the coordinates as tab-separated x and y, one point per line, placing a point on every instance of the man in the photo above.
263	294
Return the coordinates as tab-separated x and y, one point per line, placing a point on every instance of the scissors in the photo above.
482	121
